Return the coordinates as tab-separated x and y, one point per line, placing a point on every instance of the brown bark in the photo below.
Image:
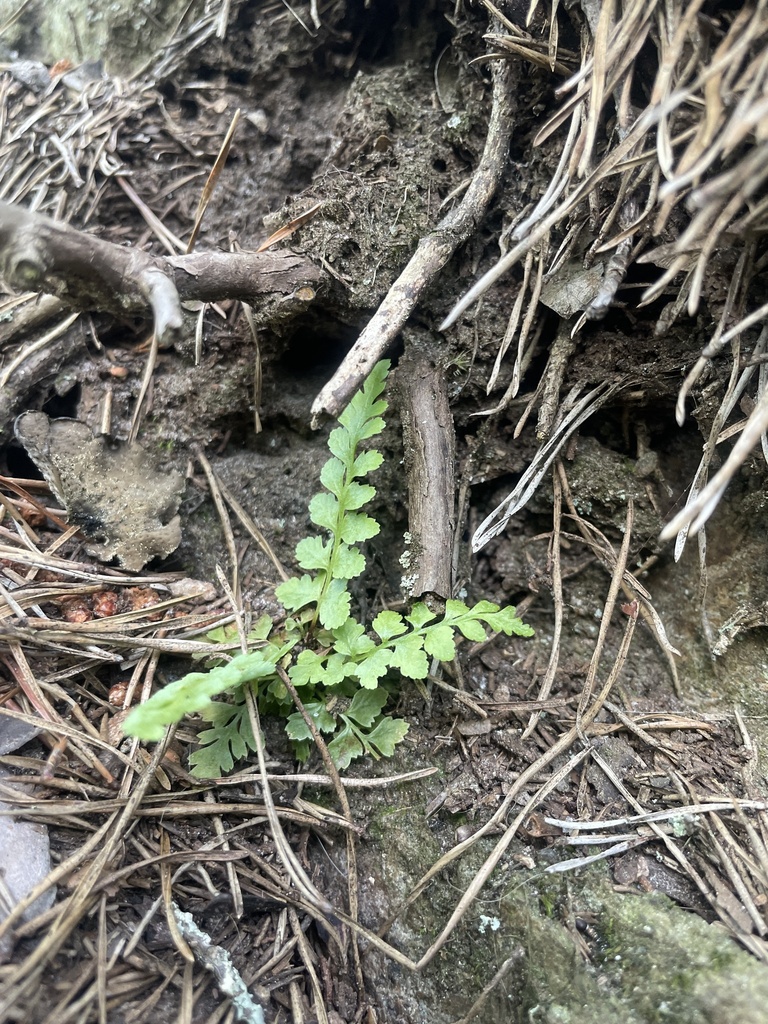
40	254
429	444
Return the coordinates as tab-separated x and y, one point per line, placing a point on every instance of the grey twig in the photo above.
432	254
41	254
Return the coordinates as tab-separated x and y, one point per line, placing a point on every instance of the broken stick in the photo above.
432	254
41	254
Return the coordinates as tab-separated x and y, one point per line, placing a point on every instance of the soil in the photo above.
380	117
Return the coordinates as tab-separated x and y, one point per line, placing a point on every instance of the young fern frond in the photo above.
195	691
342	663
336	510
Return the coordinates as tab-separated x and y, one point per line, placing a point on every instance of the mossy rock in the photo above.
124	34
651	962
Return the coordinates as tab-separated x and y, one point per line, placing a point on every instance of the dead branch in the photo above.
37	253
429	441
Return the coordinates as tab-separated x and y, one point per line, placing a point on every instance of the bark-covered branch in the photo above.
40	254
430	451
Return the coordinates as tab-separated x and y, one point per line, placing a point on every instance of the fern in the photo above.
334	560
229	738
341	665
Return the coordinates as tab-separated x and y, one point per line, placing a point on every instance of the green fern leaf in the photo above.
439	642
313	553
358	527
373	668
502	620
387	734
332	476
408	656
420	615
324	511
351	640
366	462
471	629
314	669
345	747
347	563
333	605
297	593
339	657
364	409
192	693
389	624
228	740
297	729
356	495
366	707
341	444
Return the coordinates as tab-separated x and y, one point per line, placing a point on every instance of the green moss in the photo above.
116	32
653	963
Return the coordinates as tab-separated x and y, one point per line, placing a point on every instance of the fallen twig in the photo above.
91	273
432	254
429	445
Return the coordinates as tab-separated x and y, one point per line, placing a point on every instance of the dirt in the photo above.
351	117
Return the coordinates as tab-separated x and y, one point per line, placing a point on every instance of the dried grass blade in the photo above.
101	961
250	525
309	893
210	186
36	346
234	884
287	229
26	975
697	512
307	958
226	525
171	242
146	380
579	411
682	525
557	590
597	85
739	883
581	862
258	377
330	767
513	321
560	746
165	882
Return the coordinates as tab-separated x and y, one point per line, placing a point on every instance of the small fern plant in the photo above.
338	665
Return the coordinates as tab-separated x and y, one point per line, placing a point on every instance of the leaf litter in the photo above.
74	634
